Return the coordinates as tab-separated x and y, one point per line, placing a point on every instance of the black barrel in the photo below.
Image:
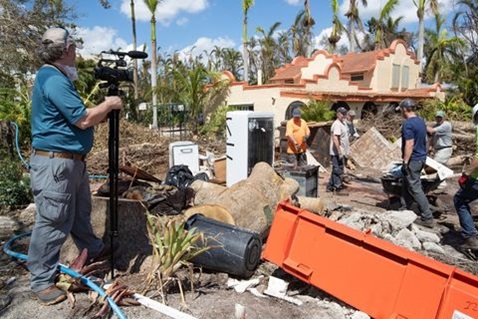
234	250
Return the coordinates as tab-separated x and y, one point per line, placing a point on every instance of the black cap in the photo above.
407	104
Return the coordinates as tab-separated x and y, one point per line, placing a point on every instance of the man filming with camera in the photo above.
62	136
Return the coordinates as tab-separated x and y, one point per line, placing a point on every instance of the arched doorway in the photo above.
338	104
291	107
369	109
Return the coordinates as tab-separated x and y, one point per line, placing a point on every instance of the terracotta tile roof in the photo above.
290	71
359	62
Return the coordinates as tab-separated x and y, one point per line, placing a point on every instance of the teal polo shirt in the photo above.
56	107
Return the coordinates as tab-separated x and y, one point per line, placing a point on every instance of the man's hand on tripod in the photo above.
115	102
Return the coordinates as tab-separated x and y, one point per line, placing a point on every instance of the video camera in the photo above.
119	72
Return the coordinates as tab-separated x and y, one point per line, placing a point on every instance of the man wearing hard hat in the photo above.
467	193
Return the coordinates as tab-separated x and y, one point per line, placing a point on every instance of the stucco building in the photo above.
368	81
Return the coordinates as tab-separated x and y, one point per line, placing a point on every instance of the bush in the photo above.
318	111
455	109
14	185
216	125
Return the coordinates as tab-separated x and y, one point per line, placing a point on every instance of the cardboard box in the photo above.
220	169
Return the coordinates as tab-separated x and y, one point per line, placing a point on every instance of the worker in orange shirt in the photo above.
297	133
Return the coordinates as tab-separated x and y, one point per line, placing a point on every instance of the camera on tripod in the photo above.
115	70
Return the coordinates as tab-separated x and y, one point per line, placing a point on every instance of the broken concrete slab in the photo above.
373	150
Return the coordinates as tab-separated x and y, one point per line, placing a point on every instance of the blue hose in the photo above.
18	146
27	165
84	280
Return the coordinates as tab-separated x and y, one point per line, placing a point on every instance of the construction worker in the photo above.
297	133
414	155
339	150
467	193
442	139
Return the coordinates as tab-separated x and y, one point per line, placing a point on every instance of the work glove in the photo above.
462	180
405	169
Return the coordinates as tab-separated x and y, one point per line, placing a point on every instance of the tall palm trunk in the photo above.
352	44
152	5
246	4
421	34
154	72
135	61
421	7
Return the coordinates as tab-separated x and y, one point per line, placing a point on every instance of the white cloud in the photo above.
293	2
205	44
166	10
343	42
406	8
182	21
99	39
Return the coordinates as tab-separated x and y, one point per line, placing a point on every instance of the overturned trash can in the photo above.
307	177
233	250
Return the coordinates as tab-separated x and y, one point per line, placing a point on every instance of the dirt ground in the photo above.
211	298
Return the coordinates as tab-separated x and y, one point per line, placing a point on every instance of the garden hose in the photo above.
27	165
84	280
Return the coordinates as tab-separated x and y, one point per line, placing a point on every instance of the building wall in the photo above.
264	99
318	66
383	73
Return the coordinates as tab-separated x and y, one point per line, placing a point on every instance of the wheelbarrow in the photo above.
392	186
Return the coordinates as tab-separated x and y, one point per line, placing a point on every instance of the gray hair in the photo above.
50	52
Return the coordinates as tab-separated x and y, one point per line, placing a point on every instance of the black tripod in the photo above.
113	170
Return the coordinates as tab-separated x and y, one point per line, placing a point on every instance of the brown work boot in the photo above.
470	243
429	223
50	296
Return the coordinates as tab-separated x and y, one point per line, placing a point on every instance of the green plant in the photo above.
217	122
318	111
455	109
173	247
14	185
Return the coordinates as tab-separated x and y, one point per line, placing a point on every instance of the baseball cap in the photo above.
351	113
406	104
440	114
59	36
342	110
296	112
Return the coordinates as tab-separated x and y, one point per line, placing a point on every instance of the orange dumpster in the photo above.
368	273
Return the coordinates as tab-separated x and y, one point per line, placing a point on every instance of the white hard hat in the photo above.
475	109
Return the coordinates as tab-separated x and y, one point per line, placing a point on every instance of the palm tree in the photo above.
337	27
308	24
135	61
268	48
192	93
354	21
422	5
152	5
440	51
384	25
246	5
299	39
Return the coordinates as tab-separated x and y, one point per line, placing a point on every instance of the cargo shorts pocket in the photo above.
54	206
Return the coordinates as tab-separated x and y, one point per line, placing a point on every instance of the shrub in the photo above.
318	111
455	109
216	125
14	185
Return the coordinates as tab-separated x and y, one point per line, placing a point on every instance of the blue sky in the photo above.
183	24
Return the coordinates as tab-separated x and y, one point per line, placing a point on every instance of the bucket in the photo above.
233	250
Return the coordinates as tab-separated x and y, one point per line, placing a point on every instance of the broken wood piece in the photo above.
138	173
162	308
